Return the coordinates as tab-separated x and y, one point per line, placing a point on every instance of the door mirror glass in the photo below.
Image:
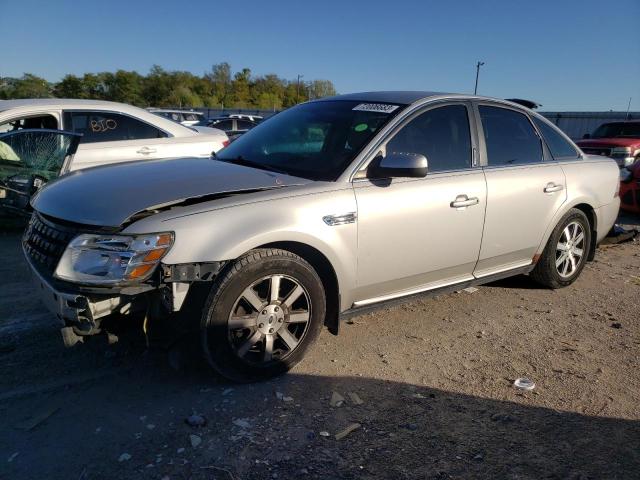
394	164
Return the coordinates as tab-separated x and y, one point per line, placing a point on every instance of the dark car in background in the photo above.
618	140
233	127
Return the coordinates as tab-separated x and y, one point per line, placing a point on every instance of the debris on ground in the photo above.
470	289
524	383
124	457
242	423
347	431
37	419
12	457
195	420
355	398
618	234
324	434
337	400
616	325
195	440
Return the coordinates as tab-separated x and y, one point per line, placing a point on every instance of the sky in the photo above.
564	54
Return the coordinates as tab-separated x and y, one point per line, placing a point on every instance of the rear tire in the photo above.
264	312
566	252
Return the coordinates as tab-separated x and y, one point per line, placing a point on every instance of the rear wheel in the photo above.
566	252
262	315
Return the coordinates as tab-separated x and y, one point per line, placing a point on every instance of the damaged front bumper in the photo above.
82	312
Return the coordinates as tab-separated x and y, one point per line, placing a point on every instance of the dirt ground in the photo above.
434	377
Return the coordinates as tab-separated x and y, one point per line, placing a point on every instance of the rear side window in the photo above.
109	127
509	136
558	145
442	135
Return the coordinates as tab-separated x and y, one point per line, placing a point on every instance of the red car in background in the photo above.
630	188
618	140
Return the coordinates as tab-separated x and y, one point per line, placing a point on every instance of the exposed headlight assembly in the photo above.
621	151
112	259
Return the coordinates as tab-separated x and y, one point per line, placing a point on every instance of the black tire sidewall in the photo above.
215	337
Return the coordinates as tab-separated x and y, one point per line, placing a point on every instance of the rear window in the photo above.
560	148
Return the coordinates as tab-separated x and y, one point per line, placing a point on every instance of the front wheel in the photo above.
566	252
262	315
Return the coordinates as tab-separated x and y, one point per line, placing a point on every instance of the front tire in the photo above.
566	252
263	313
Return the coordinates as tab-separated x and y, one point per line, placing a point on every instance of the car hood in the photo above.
110	196
609	142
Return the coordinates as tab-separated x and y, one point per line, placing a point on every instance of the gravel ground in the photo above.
432	381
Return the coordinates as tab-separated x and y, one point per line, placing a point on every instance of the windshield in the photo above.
317	140
618	130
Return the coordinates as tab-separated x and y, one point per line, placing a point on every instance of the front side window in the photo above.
560	148
109	127
442	135
316	140
509	136
33	121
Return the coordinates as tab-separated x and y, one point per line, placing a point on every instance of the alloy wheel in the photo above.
570	249
269	319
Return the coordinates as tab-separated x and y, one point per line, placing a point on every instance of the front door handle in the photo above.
552	187
463	201
146	150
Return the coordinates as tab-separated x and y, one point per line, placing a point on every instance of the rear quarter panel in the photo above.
592	181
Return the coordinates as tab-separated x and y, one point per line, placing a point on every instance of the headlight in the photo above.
112	259
621	151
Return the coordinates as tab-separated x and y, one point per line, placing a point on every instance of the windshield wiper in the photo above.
240	160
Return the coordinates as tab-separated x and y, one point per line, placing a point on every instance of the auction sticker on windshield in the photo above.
376	107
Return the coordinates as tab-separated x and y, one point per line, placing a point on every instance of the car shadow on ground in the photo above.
286	427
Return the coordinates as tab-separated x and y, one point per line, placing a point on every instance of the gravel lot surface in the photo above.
432	381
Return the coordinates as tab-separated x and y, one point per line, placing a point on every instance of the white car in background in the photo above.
187	118
111	132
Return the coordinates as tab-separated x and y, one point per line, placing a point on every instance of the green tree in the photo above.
27	86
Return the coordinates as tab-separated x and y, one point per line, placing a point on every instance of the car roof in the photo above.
153	110
409	97
26	104
402	97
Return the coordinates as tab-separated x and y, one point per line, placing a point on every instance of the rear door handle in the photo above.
463	201
552	187
146	150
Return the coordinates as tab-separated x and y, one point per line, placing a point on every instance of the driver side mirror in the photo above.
586	136
399	165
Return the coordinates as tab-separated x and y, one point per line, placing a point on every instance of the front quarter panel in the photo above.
226	233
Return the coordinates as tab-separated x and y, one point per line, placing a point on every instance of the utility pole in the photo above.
298	89
478	65
628	108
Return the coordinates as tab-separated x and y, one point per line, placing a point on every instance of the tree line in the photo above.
217	88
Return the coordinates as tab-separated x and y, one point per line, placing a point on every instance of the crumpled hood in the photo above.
108	196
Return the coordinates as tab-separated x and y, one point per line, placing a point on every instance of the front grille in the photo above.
604	151
44	242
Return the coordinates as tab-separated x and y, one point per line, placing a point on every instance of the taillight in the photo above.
225	143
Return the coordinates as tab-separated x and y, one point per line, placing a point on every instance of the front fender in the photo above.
226	233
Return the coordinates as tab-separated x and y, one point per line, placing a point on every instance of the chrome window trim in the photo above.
84	110
407	115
